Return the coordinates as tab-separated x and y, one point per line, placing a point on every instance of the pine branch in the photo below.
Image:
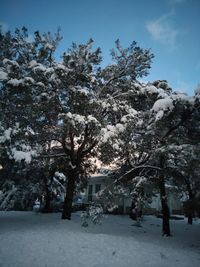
131	172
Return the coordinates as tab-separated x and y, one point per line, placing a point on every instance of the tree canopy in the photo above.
59	116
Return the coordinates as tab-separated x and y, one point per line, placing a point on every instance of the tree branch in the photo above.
88	150
82	146
130	173
53	156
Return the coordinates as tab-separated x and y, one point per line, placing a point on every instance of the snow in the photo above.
105	104
124	119
39	68
29	79
3	76
197	90
111	131
6	135
132	112
83	90
120	127
33	63
139	122
92	119
40	84
48	46
159	115
79	118
61	67
168	103
34	239
151	89
111	128
107	133
19	155
116	147
60	176
163	104
7	61
15	82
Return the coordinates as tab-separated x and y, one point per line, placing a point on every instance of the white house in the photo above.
99	182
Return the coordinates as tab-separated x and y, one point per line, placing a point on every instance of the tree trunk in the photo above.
164	204
190	210
191	204
67	207
47	201
165	208
190	219
48	179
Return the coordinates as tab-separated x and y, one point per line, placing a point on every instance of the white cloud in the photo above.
162	29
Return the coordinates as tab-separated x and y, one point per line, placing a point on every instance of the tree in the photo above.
20	88
158	127
165	127
91	115
71	105
183	157
183	161
21	136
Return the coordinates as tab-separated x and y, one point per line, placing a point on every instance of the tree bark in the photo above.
191	205
48	194
165	208
164	204
67	207
190	219
47	201
190	210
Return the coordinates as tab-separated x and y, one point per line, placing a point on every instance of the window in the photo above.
90	189
97	188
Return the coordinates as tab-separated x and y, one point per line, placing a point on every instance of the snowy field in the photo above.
30	240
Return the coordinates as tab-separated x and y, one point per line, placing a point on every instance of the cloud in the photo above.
162	29
4	26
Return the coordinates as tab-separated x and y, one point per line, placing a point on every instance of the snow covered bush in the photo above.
94	213
18	197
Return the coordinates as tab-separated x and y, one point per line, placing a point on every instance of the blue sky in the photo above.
169	27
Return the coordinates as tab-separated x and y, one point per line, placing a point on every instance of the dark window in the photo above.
97	187
90	189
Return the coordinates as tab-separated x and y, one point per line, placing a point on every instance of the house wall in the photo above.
175	205
93	182
124	203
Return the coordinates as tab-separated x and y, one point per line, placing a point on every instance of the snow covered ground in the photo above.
29	240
